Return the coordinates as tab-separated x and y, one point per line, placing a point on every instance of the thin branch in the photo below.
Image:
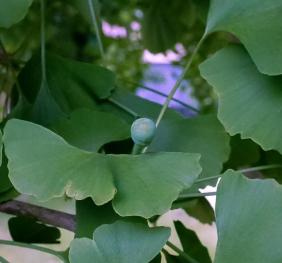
181	253
247	170
123	107
178	82
163	95
42	34
192	195
45	215
96	27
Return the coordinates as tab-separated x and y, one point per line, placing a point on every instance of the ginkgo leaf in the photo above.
42	164
258	26
72	84
89	130
250	103
13	11
248	216
203	134
121	242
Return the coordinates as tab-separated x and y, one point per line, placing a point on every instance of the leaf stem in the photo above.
137	149
43	39
260	168
123	107
3	260
247	170
192	195
96	27
162	94
34	247
181	253
178	82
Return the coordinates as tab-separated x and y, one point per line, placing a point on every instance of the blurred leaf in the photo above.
141	185
237	81
243	152
165	22
89	130
72	84
28	230
203	134
13	11
121	242
253	22
248	216
5	183
269	158
198	208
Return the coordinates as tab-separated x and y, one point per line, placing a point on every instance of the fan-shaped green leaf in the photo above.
141	185
249	103
13	11
203	134
248	216
121	242
72	84
257	24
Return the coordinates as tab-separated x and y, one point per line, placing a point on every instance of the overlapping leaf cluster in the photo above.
69	135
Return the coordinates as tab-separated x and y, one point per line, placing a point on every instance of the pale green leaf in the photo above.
248	216
249	103
121	242
258	26
13	11
141	185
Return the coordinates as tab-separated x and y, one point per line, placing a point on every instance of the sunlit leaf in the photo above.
248	216
141	185
121	242
249	103
258	26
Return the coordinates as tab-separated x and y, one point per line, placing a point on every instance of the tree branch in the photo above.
45	215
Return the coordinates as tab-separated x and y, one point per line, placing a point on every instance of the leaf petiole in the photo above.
34	247
181	253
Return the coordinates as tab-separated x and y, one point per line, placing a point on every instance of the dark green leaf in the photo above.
28	230
72	84
191	245
90	216
198	208
243	152
89	130
121	242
